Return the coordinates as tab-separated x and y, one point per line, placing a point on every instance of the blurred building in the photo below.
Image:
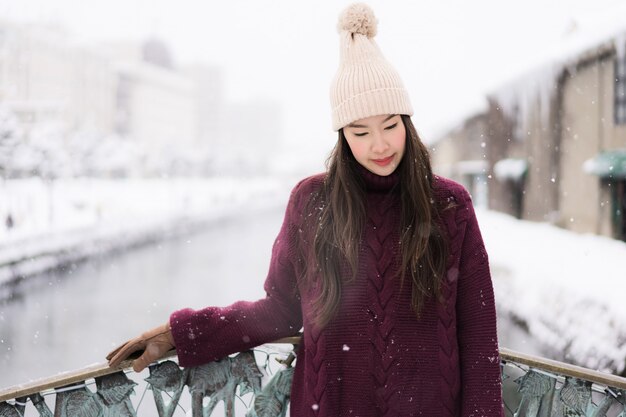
155	105
123	95
130	90
462	156
251	139
210	103
555	141
44	77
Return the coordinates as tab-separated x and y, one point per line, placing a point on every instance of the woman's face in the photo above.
377	142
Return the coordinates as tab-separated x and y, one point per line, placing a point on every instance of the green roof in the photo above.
608	164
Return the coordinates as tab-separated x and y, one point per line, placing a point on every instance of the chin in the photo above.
383	172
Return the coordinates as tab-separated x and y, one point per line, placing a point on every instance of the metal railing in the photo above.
238	385
543	387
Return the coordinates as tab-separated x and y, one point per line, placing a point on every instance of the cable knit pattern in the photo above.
317	377
381	237
375	358
446	327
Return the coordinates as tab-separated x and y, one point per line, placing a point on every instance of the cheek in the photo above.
399	140
359	149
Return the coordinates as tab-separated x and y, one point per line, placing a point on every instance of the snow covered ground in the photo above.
566	288
569	289
72	219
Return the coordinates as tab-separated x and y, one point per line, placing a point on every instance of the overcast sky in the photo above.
448	52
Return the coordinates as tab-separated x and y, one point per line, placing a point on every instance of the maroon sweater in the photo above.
375	358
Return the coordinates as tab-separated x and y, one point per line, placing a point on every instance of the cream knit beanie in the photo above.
365	84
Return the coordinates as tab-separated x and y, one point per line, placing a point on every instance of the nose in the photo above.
379	145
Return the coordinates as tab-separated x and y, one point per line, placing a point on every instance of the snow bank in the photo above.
65	222
568	288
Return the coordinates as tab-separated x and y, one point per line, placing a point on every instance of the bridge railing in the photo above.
536	386
254	384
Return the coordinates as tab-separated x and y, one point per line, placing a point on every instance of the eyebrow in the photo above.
355	125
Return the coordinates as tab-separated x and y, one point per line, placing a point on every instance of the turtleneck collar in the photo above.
378	183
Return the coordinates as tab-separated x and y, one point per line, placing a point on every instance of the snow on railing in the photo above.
532	387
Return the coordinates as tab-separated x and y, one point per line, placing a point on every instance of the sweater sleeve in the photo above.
209	334
476	325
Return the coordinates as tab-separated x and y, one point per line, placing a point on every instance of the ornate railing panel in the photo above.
259	390
539	387
532	387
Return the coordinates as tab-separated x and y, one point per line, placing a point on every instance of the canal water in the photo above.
70	319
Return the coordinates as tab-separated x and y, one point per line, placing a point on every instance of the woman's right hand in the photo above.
155	343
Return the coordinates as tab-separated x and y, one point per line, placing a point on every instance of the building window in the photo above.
618	197
619	101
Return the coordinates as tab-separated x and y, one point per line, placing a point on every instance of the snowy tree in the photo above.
44	153
170	159
11	138
112	156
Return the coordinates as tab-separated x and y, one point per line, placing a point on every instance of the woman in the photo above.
379	261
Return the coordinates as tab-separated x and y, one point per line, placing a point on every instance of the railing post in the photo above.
40	405
166	377
537	394
8	410
76	402
114	390
603	408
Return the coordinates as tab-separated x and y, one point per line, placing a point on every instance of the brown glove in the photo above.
155	343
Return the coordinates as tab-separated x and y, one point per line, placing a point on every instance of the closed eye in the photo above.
391	127
360	134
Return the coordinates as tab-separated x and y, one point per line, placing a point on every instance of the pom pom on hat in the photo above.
358	18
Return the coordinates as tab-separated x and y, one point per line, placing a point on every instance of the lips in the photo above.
383	162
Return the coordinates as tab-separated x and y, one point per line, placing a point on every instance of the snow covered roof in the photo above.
161	76
510	169
588	36
607	164
478	166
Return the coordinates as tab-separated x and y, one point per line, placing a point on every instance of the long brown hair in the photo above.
337	216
